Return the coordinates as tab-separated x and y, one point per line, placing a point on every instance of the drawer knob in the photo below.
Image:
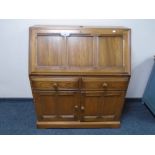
104	85
82	108
55	85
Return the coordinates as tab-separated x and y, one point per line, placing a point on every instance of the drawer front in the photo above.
90	83
55	83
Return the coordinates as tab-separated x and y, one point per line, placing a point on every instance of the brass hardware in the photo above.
104	85
82	108
55	85
76	107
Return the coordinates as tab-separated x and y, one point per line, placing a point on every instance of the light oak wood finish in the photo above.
80	51
79	75
78	124
104	83
51	105
55	83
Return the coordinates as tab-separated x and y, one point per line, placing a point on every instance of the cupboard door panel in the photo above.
56	106
101	106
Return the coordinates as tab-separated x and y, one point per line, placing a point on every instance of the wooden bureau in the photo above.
79	75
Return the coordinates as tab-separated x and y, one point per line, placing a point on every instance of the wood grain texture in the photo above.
102	106
109	83
57	106
79	75
80	51
110	51
55	83
77	124
88	51
50	51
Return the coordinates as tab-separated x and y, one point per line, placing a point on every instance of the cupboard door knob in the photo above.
104	85
76	107
82	108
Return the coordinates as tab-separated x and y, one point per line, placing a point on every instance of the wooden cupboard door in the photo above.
57	106
101	106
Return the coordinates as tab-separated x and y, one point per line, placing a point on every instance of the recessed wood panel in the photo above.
80	51
94	100
110	51
67	102
48	105
57	105
113	103
50	51
102	106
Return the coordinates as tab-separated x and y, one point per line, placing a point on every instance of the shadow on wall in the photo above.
139	78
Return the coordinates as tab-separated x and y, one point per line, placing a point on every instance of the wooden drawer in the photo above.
55	83
91	83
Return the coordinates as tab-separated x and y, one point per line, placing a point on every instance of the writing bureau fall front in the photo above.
79	75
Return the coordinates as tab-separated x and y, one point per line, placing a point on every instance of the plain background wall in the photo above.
14	80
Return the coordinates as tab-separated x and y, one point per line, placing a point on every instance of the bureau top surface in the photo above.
77	27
